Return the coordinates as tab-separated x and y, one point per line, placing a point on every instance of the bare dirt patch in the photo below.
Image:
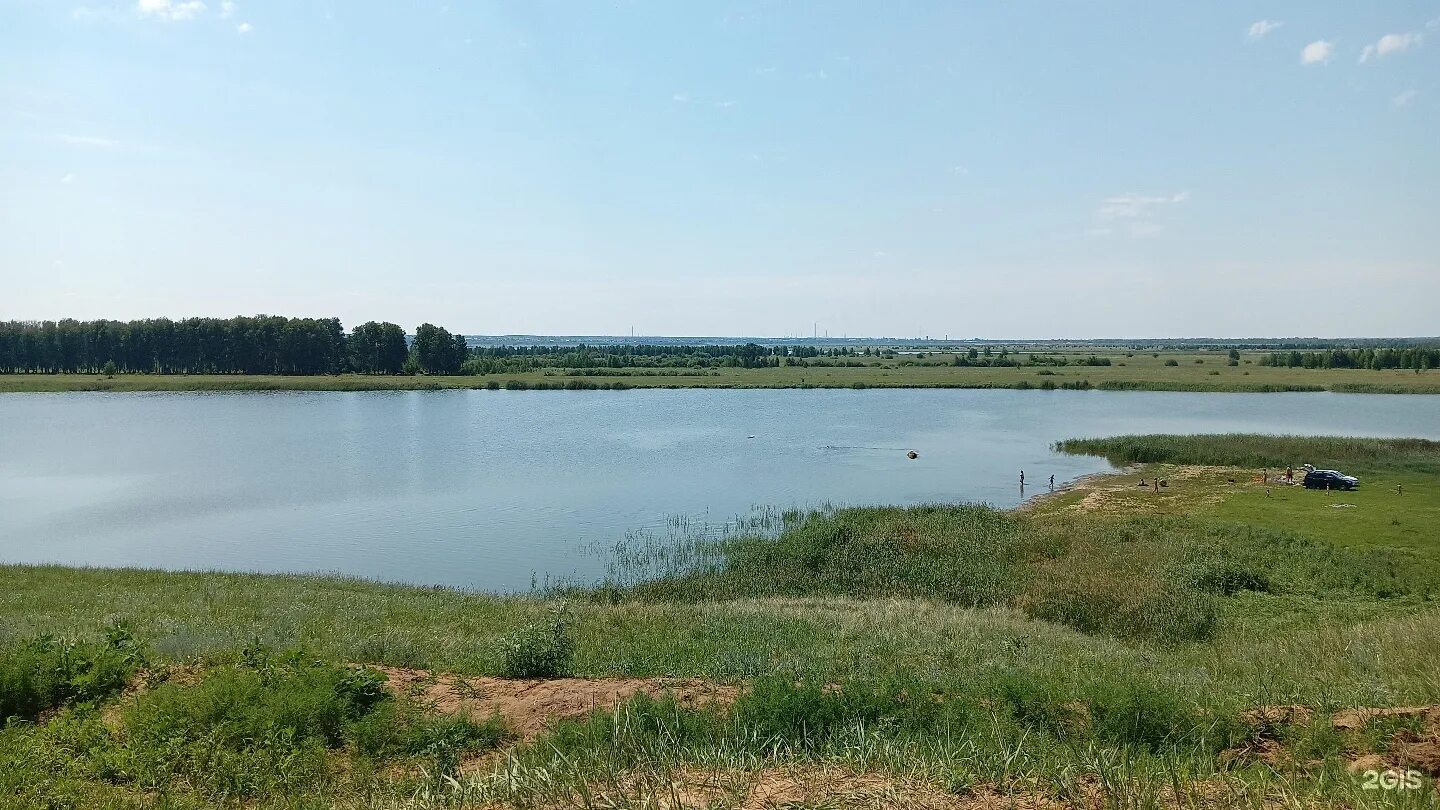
528	707
1407	748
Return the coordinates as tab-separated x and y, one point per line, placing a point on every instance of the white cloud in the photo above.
1137	206
227	9
68	178
1133	214
681	98
1317	53
1390	43
1404	97
244	28
1260	28
169	10
88	140
959	170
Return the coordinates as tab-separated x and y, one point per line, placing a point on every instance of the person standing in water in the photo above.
1052	482
1022	479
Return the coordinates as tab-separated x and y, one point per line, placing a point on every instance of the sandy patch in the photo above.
1406	749
1187	485
529	706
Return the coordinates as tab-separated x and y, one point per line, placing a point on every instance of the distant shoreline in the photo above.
1257	380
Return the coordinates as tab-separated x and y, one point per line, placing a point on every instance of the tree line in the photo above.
267	344
263	344
1418	358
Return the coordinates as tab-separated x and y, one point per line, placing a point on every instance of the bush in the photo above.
43	673
1229	578
1171	363
398	729
539	650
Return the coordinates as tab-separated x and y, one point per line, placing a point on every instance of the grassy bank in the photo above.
1128	371
1094	651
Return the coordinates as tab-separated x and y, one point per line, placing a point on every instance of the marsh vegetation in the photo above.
1121	656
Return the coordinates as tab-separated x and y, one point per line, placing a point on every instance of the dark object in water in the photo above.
912	455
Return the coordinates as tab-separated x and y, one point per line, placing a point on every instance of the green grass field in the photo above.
1193	371
1105	646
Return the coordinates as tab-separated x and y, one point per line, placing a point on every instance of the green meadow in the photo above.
1144	371
1104	646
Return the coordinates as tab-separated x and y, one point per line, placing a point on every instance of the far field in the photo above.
1191	371
1225	641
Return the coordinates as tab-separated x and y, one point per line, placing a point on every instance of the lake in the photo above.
494	490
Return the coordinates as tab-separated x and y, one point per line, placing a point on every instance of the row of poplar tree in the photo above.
263	344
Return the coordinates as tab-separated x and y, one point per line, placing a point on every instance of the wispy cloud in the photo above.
1134	206
1134	214
170	10
227	9
1388	44
1260	28
681	98
68	178
1403	98
244	28
1317	52
88	140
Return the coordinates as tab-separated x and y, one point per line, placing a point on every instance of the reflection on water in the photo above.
496	489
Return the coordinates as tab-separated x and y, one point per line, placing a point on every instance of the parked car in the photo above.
1329	479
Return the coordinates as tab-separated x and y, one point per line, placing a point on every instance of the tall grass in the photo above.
1144	578
1257	450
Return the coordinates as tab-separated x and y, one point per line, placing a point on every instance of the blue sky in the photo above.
997	169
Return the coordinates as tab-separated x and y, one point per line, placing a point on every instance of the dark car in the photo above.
1329	479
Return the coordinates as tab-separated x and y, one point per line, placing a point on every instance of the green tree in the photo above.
377	348
436	351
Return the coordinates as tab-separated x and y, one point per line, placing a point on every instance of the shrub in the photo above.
539	650
1228	578
250	728
45	672
401	729
1170	362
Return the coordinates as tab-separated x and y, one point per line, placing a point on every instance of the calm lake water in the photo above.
493	490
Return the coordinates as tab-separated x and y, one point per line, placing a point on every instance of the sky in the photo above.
906	169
